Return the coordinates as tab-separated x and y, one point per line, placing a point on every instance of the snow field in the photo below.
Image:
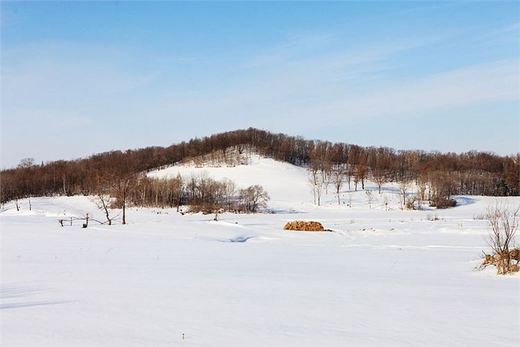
382	278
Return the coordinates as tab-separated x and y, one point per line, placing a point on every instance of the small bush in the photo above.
410	203
443	203
304	226
503	262
504	224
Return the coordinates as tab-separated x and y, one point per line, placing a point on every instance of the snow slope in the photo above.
383	278
283	181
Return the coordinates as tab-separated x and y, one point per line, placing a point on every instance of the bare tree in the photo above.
380	178
504	224
319	171
26	162
348	173
253	198
356	181
316	183
121	191
370	197
228	194
359	175
404	187
325	172
103	202
177	190
421	189
338	177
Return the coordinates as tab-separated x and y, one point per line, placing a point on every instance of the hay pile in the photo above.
304	226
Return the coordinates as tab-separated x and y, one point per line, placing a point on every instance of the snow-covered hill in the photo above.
284	182
382	278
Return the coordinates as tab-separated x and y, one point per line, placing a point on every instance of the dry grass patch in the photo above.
505	262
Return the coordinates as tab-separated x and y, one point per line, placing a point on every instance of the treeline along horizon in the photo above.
473	173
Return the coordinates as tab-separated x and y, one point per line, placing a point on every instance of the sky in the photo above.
79	78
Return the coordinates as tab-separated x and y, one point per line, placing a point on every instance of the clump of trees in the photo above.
200	194
441	188
504	223
475	173
252	199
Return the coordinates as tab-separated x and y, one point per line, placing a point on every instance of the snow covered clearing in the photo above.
381	278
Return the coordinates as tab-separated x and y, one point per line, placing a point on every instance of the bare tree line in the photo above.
475	173
201	194
436	187
198	194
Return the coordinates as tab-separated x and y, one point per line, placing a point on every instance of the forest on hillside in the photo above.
471	173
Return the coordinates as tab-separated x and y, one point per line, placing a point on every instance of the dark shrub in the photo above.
443	203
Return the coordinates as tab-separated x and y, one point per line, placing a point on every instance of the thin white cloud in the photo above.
295	87
311	94
467	86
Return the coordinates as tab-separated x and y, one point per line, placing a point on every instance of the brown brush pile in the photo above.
304	226
505	263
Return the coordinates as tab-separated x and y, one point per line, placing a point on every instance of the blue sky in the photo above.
83	77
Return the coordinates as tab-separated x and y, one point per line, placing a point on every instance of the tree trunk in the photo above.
124	203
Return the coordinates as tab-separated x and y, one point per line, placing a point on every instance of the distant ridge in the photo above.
477	173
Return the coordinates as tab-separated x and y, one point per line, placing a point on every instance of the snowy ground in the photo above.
388	278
